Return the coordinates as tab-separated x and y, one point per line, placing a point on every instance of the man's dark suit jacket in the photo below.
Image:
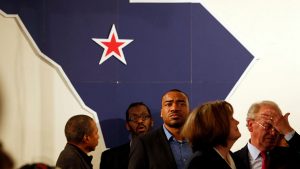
279	157
116	157
73	158
151	151
208	159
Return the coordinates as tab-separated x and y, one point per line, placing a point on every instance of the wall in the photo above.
36	99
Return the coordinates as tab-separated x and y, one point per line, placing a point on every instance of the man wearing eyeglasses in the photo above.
266	123
138	121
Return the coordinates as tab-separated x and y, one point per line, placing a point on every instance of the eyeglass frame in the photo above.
136	118
271	128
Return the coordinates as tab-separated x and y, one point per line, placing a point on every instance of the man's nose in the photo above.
140	120
174	106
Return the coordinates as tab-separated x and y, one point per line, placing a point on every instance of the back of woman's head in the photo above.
208	125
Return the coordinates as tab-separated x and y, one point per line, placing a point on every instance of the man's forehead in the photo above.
138	110
172	96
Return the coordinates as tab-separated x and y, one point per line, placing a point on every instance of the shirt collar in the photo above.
171	138
86	158
167	133
254	152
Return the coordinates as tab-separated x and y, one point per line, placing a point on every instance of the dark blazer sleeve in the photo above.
137	155
294	143
70	158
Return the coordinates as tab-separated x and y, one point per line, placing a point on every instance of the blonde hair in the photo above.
208	125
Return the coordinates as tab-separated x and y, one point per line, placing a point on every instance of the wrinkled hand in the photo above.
278	121
282	124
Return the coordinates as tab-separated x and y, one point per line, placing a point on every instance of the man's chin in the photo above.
141	131
176	124
270	145
91	149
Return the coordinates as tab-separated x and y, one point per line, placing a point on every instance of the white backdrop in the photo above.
270	30
36	99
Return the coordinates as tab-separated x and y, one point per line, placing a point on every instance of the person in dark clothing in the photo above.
266	124
82	137
212	130
138	121
164	148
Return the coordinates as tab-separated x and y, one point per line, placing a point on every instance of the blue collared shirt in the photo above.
254	157
180	149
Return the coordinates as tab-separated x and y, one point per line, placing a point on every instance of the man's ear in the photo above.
250	125
85	138
152	122
127	126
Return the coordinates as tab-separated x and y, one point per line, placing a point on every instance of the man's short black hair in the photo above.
176	90
78	126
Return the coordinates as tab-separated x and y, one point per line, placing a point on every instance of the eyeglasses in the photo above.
136	118
267	127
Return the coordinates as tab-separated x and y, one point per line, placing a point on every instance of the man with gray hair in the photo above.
266	123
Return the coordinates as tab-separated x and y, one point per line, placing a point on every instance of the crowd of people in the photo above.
197	139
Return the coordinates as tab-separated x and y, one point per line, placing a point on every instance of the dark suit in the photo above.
208	159
116	157
73	158
151	151
279	157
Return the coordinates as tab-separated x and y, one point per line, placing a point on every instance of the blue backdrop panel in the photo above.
176	45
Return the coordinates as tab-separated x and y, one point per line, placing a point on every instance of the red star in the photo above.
112	46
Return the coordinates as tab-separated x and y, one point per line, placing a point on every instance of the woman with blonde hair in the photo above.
211	131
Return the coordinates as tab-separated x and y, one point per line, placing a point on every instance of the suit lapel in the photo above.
241	158
170	160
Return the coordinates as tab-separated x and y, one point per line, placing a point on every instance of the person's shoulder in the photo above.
69	153
243	150
125	146
154	133
66	158
197	154
197	159
149	138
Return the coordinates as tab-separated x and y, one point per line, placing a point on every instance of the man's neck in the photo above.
259	146
80	146
175	132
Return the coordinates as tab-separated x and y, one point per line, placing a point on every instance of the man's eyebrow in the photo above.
141	112
169	101
181	100
177	101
